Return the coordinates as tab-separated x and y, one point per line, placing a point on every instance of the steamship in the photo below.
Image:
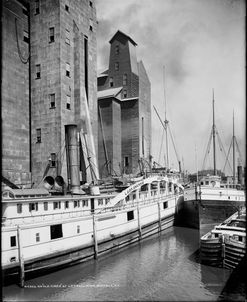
43	231
210	200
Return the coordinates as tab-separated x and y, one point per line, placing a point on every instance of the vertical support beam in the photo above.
159	216
139	221
20	255
95	238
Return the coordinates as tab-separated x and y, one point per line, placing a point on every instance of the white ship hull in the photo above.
64	236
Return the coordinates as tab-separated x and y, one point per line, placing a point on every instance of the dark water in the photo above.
163	267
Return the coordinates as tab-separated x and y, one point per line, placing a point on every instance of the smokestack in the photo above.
240	175
73	158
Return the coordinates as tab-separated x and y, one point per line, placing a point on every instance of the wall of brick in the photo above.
15	95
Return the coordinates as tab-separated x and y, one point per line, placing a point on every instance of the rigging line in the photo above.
23	60
221	145
161	145
227	158
173	142
241	158
207	149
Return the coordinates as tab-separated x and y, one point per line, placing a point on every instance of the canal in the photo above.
163	267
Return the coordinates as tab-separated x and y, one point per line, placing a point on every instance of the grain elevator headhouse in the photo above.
124	109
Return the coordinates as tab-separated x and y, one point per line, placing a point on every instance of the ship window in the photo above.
53	159
38	71
33	206
45	206
107	200
68	70
52	101
26	36
25	12
13	241
216	235
51	34
67	37
66	204
117	66
207	182
111	82
56	205
100	201
56	231
240	238
134	196
165	205
130	215
75	204
37	11
12	259
19	208
127	198
37	237
91	3
78	229
84	203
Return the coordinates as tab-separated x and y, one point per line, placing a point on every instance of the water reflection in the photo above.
163	267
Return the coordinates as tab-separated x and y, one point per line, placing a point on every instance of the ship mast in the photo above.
166	122
214	151
233	150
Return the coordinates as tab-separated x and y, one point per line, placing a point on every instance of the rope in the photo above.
23	60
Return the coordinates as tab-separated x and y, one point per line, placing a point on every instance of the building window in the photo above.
165	205
38	135
67	8
66	204
52	101
125	79
56	205
111	82
38	71
68	102
33	206
56	231
100	202
37	7
13	241
84	203
116	66
117	50
25	36
68	70
125	93
37	237
91	3
78	229
45	206
130	215
75	204
67	37
91	24
19	208
126	161
51	34
53	159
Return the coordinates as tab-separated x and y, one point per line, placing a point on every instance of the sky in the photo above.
189	48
